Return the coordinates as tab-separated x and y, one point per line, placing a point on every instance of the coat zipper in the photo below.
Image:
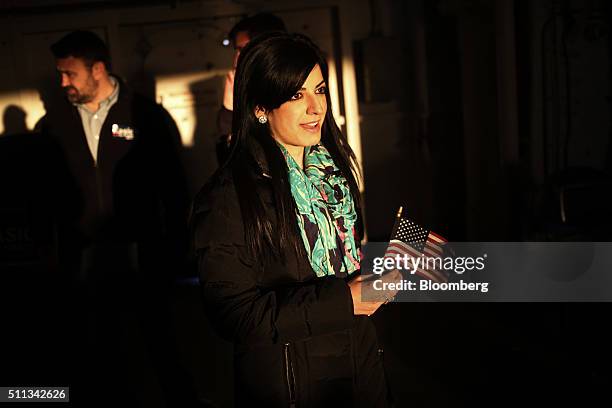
289	376
381	356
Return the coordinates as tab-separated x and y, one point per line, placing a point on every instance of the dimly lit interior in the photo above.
486	120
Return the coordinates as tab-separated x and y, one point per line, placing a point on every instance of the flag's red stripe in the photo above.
433	251
402	251
433	244
392	252
398	249
402	244
437	237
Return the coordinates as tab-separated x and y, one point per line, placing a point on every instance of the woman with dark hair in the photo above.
277	232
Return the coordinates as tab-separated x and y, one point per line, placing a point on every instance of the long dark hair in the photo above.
271	69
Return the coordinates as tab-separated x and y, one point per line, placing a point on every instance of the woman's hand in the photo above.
360	307
377	297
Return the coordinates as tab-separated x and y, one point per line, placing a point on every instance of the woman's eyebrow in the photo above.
318	85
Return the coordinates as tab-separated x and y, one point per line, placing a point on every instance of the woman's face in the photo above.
297	123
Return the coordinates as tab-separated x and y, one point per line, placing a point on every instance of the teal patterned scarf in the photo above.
326	212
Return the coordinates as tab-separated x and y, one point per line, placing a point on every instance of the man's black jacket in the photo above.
136	191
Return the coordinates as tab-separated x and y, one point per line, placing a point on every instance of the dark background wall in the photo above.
486	120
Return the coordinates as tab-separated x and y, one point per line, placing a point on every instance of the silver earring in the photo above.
262	119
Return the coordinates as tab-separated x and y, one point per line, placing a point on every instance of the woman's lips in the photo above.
312	127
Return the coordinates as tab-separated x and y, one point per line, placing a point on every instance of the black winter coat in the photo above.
296	340
137	189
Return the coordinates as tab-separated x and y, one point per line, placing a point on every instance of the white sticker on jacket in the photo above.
122	132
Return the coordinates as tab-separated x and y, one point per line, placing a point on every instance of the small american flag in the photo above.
410	239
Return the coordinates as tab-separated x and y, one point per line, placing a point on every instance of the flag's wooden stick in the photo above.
396	225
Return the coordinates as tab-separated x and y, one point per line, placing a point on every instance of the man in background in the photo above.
131	234
122	147
239	36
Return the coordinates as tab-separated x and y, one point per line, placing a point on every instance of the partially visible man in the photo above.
122	147
239	36
122	150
